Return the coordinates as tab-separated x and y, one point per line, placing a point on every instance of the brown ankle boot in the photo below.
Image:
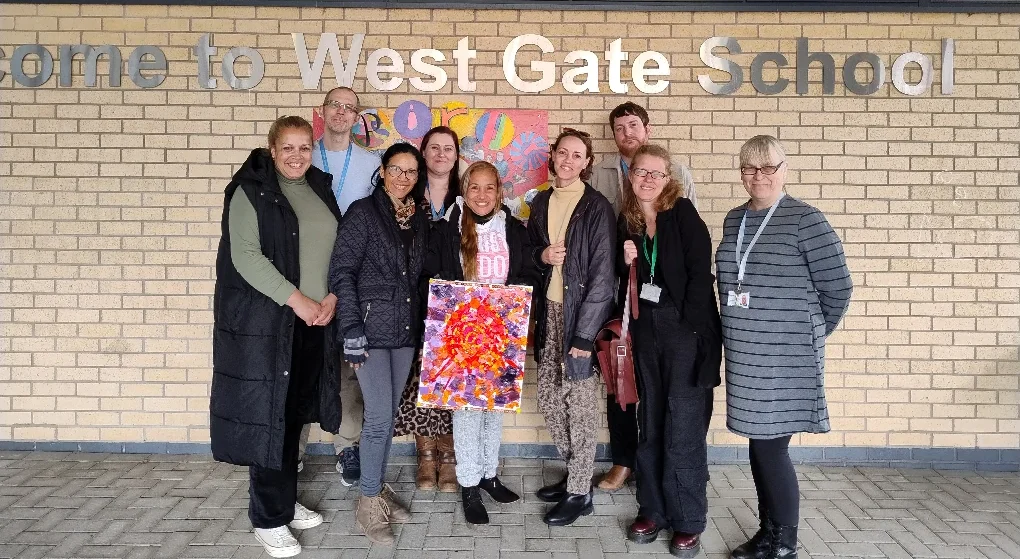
426	477
447	465
615	478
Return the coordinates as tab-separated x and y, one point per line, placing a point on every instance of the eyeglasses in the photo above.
345	107
642	173
394	171
766	170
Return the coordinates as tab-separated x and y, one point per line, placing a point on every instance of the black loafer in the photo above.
569	509
474	510
553	493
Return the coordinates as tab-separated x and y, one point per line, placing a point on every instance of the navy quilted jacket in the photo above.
374	278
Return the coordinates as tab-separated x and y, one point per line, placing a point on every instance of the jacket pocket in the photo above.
579	368
377	312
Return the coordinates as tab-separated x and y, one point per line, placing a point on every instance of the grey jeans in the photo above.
382	377
476	438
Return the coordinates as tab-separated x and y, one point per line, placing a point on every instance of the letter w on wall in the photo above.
311	74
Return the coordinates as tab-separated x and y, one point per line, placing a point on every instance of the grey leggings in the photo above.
382	378
476	438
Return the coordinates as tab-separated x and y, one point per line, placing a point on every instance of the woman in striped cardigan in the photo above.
784	287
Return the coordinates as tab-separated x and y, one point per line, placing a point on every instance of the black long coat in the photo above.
684	268
253	336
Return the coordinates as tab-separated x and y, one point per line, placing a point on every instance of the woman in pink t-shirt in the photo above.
480	241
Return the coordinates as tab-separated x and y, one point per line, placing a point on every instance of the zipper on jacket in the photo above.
367	308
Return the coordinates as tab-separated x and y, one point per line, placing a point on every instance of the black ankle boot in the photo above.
783	542
553	493
759	545
499	492
474	510
569	509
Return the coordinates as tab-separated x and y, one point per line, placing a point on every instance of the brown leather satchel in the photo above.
614	350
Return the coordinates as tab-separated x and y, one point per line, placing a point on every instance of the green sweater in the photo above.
317	228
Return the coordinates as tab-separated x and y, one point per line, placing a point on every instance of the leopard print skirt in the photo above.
423	422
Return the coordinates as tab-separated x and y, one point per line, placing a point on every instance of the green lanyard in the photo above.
655	254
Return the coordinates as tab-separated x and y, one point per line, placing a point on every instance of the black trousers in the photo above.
272	493
775	480
623	432
672	455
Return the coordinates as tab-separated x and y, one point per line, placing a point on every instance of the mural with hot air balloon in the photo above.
514	140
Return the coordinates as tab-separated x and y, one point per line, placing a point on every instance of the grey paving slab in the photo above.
83	505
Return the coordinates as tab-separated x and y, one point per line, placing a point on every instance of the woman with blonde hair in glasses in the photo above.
677	350
784	286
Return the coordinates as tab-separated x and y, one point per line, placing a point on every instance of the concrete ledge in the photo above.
947	458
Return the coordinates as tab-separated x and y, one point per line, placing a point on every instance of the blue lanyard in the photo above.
742	262
432	207
325	165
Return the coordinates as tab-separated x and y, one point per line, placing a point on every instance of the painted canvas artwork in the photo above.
476	338
514	140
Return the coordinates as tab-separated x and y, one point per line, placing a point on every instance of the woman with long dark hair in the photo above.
433	428
379	253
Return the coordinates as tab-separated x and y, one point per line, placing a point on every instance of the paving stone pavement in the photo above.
71	505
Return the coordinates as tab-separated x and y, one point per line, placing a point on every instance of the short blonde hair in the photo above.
758	151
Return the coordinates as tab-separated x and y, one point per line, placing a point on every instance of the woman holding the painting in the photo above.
480	241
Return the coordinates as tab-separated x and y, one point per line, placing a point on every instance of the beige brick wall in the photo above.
110	200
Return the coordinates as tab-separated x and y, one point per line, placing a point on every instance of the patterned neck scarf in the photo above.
403	210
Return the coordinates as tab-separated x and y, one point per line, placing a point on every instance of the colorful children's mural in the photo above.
476	338
514	140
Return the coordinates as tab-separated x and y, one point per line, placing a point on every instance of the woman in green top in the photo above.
273	327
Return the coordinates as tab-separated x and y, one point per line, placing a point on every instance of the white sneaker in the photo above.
300	466
304	518
279	542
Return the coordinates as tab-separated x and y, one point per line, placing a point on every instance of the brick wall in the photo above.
110	200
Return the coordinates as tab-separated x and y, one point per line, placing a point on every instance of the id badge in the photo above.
742	299
650	292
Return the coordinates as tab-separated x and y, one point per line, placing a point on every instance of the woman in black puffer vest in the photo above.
380	250
273	367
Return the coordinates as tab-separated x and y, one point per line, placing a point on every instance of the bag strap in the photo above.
629	302
633	291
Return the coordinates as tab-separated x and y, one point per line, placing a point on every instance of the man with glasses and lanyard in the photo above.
352	167
336	153
631	130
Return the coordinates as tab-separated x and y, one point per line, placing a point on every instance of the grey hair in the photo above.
757	151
